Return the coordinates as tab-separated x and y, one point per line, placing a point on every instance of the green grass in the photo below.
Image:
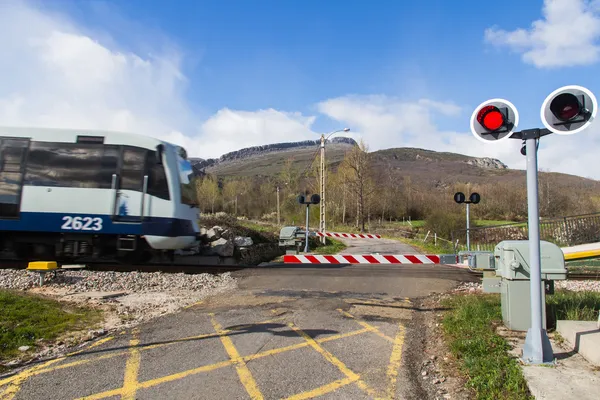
331	246
259	227
568	305
591	266
482	354
25	318
483	222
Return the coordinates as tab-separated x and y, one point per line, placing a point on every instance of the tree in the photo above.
360	182
208	191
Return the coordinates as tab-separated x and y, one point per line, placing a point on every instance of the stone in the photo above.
24	348
212	234
223	247
241	241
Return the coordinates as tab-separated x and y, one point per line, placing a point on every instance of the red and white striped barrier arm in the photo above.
349	235
368	259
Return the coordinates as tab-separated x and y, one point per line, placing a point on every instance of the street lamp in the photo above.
322	204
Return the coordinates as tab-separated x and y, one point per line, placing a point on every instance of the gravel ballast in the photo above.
109	281
575	286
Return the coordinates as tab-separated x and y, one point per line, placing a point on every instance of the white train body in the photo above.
78	193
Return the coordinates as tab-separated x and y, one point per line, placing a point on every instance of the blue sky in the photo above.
236	70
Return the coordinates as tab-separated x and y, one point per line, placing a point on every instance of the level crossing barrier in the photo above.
371	259
348	235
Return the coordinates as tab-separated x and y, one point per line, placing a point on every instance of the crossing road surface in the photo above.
382	246
332	332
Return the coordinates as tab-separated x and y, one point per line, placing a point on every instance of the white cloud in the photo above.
54	75
567	36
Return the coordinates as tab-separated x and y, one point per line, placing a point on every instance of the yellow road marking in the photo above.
132	368
334	360
194	304
366	325
395	361
16	381
240	365
153	382
222	364
35	371
320	391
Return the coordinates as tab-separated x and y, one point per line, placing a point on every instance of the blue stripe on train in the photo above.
97	224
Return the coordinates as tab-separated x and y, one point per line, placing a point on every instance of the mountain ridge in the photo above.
201	164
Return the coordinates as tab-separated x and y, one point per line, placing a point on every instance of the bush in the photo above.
444	223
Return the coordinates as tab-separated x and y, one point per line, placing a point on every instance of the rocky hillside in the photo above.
257	151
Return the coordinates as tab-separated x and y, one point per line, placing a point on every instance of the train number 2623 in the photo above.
81	223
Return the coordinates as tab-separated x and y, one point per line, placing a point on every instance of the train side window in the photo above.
132	168
11	175
157	178
70	165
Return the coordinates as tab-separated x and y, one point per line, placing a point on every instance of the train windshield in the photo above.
188	178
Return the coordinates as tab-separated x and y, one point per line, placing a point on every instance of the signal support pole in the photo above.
468	230
537	349
306	240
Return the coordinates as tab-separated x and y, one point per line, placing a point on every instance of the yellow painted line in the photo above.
582	254
240	365
132	368
395	361
194	304
367	325
222	364
165	379
334	360
117	354
16	381
320	391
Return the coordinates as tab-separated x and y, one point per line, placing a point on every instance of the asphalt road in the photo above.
349	332
382	246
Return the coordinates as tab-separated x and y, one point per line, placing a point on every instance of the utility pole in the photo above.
322	204
278	215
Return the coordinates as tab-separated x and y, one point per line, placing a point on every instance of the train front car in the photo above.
181	230
69	195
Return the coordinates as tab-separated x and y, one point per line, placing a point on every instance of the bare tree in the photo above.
360	182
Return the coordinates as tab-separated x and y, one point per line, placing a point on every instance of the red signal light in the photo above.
490	118
565	106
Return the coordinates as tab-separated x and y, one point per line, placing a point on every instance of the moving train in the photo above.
67	195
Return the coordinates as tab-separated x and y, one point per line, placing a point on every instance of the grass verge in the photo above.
569	305
27	318
482	354
331	246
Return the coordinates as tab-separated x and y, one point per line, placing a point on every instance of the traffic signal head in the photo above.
568	110
315	199
475	198
459	197
494	120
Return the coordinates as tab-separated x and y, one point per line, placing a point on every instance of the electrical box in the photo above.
512	260
513	267
292	238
